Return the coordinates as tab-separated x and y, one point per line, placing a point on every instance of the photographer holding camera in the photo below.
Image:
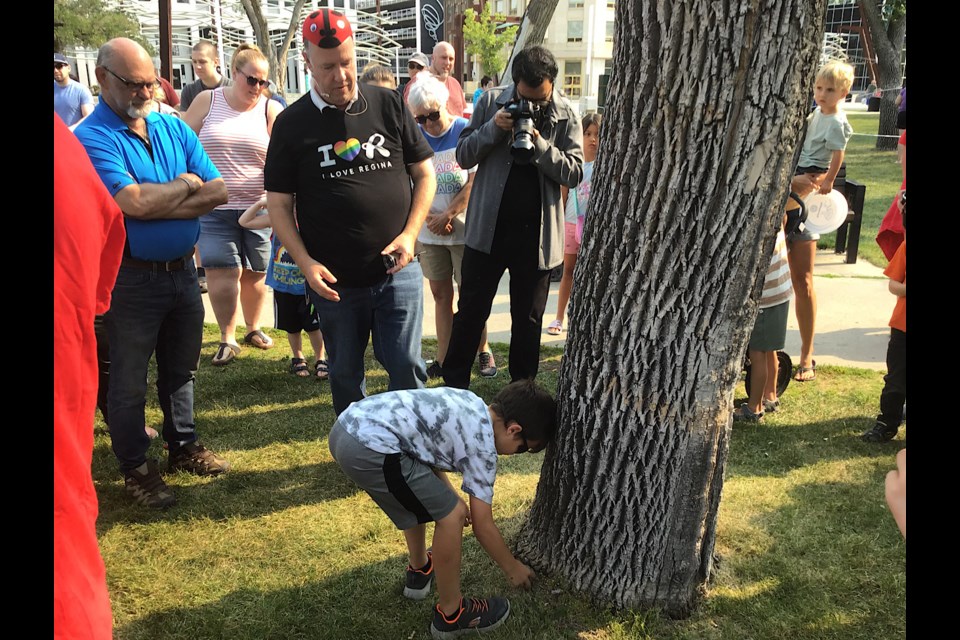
526	139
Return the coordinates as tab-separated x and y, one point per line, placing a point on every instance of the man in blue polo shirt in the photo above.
155	168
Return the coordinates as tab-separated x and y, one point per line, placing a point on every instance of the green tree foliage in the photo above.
90	23
483	37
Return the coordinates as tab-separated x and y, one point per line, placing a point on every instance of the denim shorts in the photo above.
224	244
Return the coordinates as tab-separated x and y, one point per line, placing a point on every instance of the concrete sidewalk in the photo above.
854	307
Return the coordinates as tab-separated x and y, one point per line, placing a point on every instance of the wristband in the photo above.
190	188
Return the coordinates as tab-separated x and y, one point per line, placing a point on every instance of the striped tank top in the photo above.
777	286
236	142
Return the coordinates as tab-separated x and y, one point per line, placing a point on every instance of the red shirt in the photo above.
88	242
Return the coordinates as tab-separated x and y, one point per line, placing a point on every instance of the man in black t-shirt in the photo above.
347	156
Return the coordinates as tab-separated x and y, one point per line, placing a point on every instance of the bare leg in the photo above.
484	345
224	288
447	540
758	380
253	296
416	538
316	339
801	255
566	284
296	344
773	372
442	291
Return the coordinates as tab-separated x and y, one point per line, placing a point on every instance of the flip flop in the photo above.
804	370
554	328
258	339
226	352
323	371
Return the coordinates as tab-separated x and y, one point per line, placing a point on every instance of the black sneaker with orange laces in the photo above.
475	615
418	581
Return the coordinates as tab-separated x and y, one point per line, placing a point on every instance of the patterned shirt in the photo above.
446	428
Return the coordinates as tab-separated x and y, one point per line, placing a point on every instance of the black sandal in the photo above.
299	368
323	371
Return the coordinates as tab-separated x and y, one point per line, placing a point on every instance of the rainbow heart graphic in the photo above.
347	150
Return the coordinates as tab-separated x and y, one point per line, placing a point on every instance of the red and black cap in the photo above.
326	28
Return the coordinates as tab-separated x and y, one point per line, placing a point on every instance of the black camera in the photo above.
522	112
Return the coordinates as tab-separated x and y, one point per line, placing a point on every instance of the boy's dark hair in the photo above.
485	79
532	407
533	65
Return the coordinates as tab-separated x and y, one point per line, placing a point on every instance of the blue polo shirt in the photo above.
121	158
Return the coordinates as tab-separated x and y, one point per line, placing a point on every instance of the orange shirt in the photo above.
897	270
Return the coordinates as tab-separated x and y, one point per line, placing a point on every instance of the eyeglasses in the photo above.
60	65
253	82
135	87
525	446
414	65
433	116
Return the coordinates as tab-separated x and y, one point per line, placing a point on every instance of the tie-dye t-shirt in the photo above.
446	428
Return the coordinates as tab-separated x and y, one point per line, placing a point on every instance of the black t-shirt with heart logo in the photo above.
348	172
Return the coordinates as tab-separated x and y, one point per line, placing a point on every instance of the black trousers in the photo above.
895	382
518	251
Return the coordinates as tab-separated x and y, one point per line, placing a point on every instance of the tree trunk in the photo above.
888	43
533	28
261	31
706	105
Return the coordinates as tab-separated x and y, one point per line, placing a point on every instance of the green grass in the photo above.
285	546
881	174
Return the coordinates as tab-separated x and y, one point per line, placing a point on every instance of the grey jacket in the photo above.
558	156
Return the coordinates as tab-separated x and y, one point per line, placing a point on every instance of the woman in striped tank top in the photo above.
234	124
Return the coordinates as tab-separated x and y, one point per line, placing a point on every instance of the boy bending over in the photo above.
397	445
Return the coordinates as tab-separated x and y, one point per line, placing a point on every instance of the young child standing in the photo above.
396	447
292	309
820	164
768	337
894	392
575	208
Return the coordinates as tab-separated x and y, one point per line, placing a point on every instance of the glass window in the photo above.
609	35
572	79
574	30
575	4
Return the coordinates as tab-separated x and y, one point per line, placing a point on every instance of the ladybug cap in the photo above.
326	28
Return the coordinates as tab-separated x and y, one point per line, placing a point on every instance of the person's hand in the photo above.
402	248
896	492
317	276
826	189
521	576
805	183
503	120
467	520
439	223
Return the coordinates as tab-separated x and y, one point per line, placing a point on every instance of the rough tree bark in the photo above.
706	105
888	43
533	28
261	31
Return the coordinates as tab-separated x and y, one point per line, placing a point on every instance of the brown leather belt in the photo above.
171	265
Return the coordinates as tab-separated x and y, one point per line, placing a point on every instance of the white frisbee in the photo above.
825	213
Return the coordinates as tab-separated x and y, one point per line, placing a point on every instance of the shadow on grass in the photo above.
366	602
237	494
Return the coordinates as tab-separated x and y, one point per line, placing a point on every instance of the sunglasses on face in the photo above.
59	65
525	446
433	116
414	66
253	82
135	87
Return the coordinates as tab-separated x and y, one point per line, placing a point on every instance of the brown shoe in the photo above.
146	486
195	458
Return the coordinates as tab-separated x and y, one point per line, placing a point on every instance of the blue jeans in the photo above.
153	311
393	311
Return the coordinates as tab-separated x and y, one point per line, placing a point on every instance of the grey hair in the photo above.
428	93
